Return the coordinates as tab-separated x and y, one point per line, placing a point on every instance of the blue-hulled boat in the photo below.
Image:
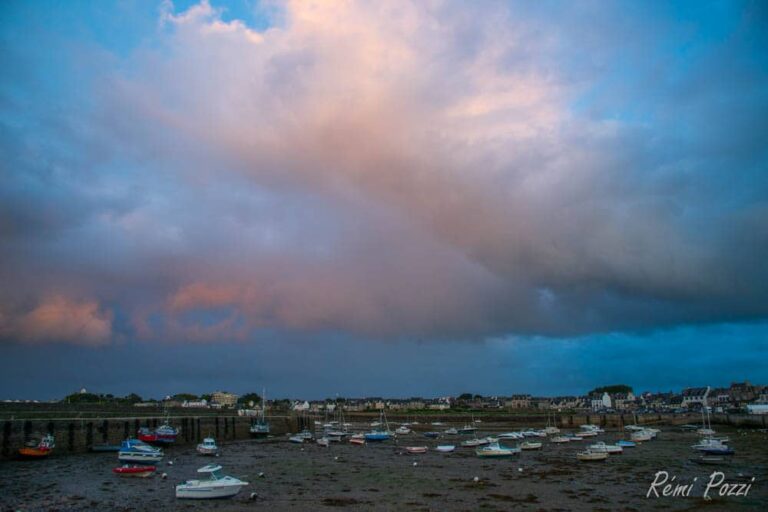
432	435
133	450
377	435
626	444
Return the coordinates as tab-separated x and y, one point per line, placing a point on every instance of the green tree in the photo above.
614	388
247	398
465	396
184	396
83	398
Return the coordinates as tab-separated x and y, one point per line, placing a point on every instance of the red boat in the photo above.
147	435
134	470
38	450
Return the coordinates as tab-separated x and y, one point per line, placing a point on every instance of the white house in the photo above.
601	402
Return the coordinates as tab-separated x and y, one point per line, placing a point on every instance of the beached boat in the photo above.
297	438
641	436
625	444
560	439
451	431
134	470
610	449
38	449
378	434
590	456
585	433
510	435
416	449
134	450
722	449
494	450
324	441
358	439
215	486
467	430
259	428
530	445
432	435
208	447
473	443
146	435
166	434
445	448
402	431
437	423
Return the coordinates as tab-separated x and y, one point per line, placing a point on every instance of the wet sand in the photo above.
381	477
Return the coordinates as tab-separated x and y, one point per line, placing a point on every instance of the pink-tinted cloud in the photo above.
61	319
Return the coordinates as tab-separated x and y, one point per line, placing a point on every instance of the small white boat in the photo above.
402	431
586	433
640	436
416	449
324	441
358	439
473	443
208	447
298	439
530	445
560	439
437	423
375	424
551	430
510	435
215	486
445	448
589	456
451	431
496	450
705	432
607	448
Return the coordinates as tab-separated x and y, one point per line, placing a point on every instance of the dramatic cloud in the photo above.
393	170
59	319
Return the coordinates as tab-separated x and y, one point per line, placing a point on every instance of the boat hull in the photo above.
135	471
34	453
207	493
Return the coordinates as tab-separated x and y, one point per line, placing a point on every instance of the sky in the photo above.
382	198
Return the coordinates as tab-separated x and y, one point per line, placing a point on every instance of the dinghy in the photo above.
445	448
529	445
358	439
134	470
607	448
416	449
560	439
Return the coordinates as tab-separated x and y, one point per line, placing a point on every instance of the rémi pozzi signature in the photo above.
665	486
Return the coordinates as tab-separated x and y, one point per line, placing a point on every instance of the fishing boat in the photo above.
134	470
146	435
445	448
137	451
625	444
38	449
590	456
468	429
165	433
358	439
402	431
432	435
208	447
473	443
215	486
324	442
530	445
416	449
494	450
451	431
610	449
560	439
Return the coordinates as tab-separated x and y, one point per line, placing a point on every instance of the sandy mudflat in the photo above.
381	477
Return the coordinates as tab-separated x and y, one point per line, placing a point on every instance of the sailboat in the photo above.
377	434
706	422
260	427
551	429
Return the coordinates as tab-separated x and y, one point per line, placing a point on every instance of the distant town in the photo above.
739	397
